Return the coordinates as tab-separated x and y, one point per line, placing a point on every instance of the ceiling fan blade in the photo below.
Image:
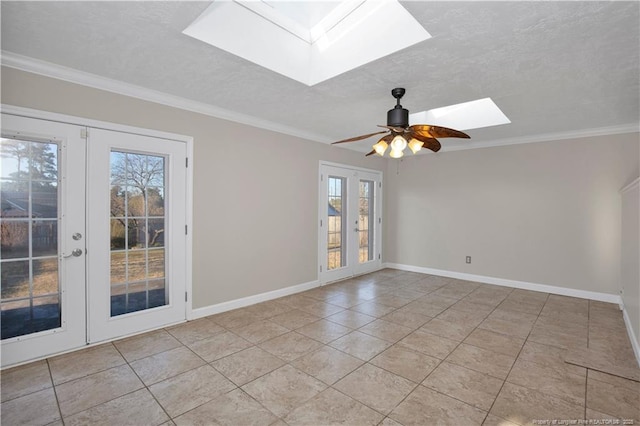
394	128
358	138
373	151
436	131
430	143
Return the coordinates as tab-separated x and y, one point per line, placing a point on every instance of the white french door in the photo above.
350	221
42	259
137	243
93	243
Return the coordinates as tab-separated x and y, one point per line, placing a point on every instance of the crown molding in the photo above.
48	69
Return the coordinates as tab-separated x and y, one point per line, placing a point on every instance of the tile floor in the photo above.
388	348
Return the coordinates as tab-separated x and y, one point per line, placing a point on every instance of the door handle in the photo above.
76	253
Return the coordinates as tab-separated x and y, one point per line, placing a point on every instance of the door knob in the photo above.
76	253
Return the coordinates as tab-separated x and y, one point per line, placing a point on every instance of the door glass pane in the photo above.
29	237
138	268
366	221
337	223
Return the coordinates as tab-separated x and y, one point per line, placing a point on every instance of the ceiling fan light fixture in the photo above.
381	147
399	143
415	145
396	153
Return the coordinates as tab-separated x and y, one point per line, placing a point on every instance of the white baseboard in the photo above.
563	291
250	300
632	335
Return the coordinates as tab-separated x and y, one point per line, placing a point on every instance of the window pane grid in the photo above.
365	215
30	282
137	232
336	227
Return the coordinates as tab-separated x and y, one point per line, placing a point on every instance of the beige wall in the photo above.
256	191
630	264
545	213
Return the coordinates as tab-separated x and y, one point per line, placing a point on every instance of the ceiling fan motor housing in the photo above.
398	117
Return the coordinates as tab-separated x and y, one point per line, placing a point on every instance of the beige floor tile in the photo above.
468	305
515	324
461	317
615	380
477	389
130	409
324	331
247	365
406	293
327	364
193	331
331	407
613	400
167	364
260	331
147	344
373	309
430	306
34	409
86	392
429	344
266	310
351	319
495	342
234	319
392	300
555	335
25	379
219	346
294	319
290	346
528	296
360	345
492	420
550	357
521	305
186	391
450	330
454	291
284	389
321	309
388	421
345	300
522	406
375	387
426	407
386	330
231	409
407	318
482	360
405	362
84	362
604	362
547	380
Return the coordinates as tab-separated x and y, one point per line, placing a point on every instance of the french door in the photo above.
93	235
350	221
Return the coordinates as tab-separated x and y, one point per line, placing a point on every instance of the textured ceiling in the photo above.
552	67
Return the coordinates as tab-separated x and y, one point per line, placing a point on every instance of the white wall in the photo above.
630	262
256	191
544	213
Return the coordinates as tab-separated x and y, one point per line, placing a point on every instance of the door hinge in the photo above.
185	296
379	220
320	223
84	133
186	230
378	256
320	268
379	184
186	162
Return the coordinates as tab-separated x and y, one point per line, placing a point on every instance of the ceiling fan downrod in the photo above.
398	116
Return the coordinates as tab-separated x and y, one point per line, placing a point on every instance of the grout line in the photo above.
55	393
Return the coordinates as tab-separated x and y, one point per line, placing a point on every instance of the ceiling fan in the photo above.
400	134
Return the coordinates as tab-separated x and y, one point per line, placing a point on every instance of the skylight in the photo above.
468	115
308	41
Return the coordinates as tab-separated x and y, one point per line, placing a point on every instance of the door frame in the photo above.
322	214
98	124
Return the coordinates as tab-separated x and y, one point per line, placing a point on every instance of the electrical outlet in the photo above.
468	259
